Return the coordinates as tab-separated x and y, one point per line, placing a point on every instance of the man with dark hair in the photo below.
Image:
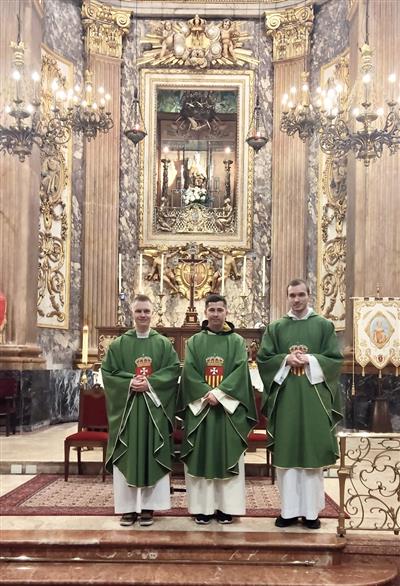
140	374
299	362
216	397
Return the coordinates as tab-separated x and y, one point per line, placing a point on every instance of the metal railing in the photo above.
369	482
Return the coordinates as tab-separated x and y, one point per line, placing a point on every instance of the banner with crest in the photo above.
377	331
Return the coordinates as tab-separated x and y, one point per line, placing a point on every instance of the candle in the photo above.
141	273
119	273
263	276
162	275
244	275
85	344
223	275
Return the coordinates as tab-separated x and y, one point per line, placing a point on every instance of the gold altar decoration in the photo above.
332	210
290	31
210	264
377	332
55	208
196	172
197	44
105	28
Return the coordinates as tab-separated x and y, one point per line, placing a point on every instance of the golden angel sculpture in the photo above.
197	44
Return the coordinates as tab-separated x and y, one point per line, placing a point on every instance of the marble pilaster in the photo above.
373	232
19	204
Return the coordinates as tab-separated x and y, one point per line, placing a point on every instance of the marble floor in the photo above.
24	450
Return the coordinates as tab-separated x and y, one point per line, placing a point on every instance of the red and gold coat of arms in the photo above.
143	366
214	371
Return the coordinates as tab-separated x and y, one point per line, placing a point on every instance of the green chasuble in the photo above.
215	439
140	432
301	416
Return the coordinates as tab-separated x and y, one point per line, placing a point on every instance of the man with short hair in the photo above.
217	400
299	362
140	374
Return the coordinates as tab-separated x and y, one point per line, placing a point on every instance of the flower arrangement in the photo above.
194	195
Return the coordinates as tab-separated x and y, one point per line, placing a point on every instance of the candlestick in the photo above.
223	275
160	310
162	275
119	273
263	276
141	273
244	275
85	344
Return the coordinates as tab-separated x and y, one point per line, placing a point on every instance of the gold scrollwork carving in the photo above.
54	219
197	44
175	269
332	215
196	218
103	344
105	28
290	30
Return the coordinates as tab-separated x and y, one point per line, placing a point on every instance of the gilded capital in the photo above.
105	27
290	30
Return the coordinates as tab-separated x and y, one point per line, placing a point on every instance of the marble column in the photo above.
104	32
290	32
373	192
19	205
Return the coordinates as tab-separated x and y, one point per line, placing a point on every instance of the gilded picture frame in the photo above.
153	81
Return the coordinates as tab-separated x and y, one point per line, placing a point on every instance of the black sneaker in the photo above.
128	519
223	518
311	523
203	519
282	522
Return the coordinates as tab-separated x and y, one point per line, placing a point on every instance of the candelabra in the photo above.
164	187
120	312
242	307
160	310
228	163
301	118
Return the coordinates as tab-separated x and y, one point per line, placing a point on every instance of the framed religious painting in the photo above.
196	167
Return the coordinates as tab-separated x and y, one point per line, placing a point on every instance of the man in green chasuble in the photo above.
140	375
216	397
299	362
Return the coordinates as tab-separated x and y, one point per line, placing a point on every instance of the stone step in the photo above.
192	573
167	546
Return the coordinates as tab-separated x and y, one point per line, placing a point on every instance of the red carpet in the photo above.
49	494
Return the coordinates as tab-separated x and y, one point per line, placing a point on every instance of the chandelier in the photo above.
256	135
83	113
354	124
138	130
300	117
23	103
356	128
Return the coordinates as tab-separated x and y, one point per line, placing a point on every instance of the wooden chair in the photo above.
92	427
8	396
257	438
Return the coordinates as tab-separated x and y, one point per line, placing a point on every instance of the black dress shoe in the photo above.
281	522
223	518
312	523
128	519
203	519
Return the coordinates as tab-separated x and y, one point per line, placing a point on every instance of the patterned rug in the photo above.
49	494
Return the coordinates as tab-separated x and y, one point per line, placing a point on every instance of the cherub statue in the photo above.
228	34
167	44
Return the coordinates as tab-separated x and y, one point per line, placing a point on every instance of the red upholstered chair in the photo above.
92	427
257	438
8	395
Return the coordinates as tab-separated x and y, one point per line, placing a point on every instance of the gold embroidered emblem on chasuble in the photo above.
143	366
214	371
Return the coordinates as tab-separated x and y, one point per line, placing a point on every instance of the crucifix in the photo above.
191	316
